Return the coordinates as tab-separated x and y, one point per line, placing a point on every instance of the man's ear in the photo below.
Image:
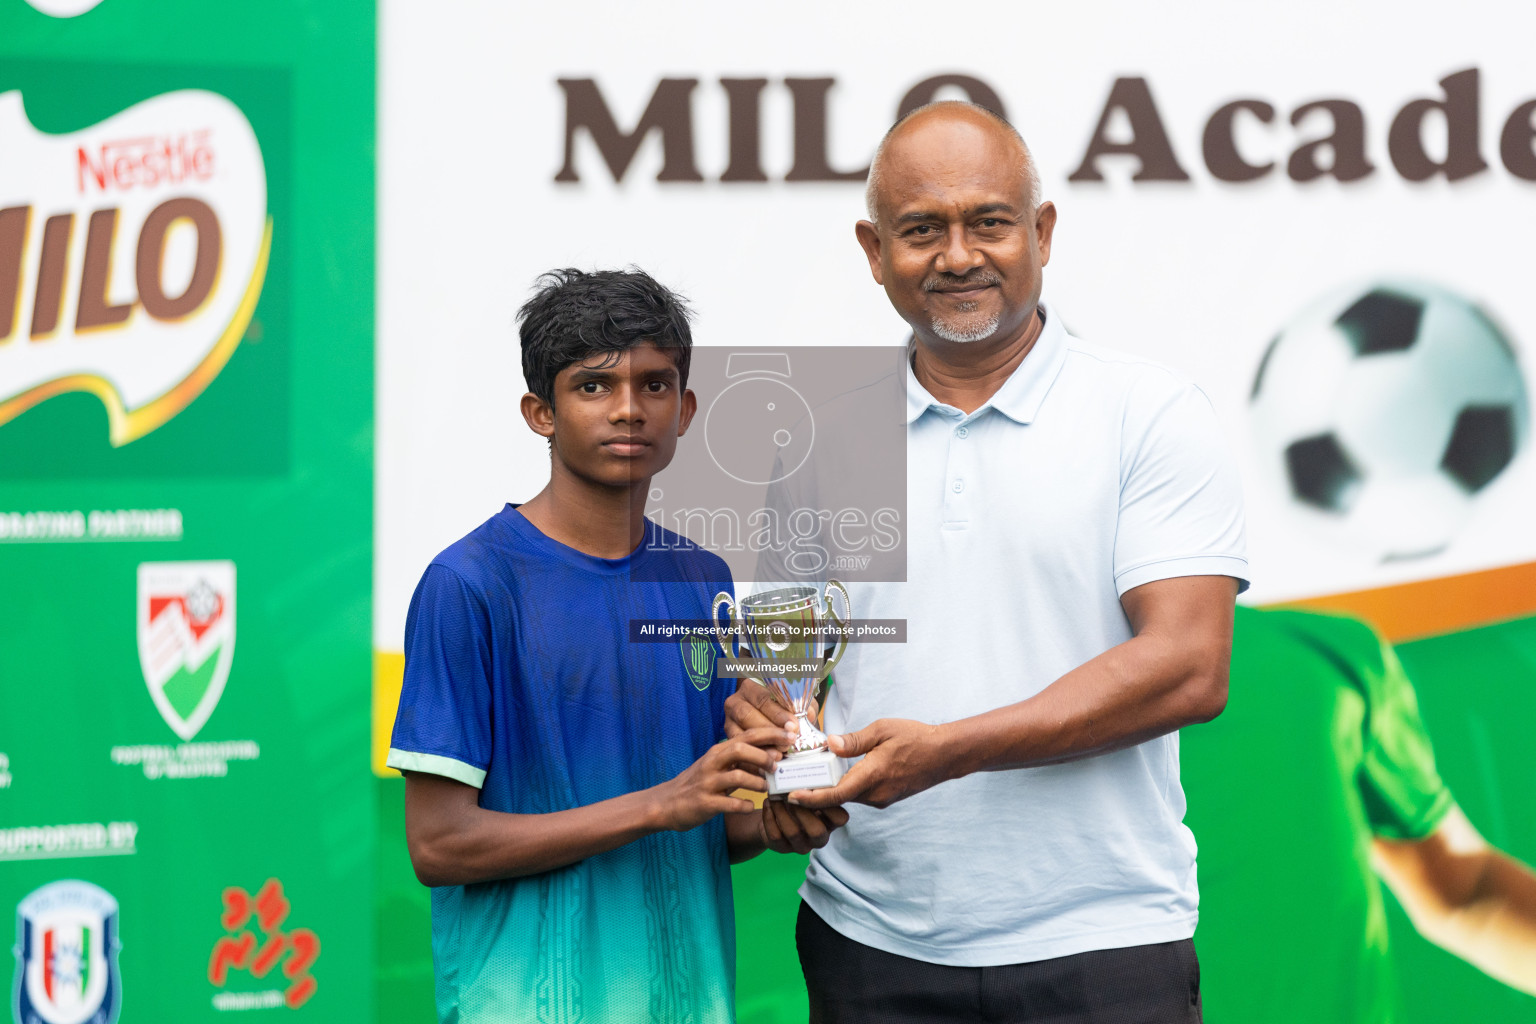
539	415
685	416
869	239
1045	226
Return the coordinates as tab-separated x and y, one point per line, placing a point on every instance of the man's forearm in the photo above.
1171	673
1143	688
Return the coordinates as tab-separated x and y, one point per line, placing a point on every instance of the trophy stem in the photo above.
809	738
808	765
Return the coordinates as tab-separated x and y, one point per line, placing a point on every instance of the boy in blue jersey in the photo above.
565	793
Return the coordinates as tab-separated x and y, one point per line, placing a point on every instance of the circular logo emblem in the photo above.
759	430
778	637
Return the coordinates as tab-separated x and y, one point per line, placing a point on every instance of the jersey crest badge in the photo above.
698	660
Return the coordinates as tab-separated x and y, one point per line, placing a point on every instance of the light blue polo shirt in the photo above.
1087	474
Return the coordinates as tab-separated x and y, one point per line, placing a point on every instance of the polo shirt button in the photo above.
962	432
959	486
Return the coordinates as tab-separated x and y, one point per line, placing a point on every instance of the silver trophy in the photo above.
780	629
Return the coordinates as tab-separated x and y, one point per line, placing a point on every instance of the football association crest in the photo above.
186	619
66	956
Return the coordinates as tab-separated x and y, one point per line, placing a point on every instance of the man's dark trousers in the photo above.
851	983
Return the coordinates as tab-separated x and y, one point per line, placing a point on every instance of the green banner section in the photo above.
1283	891
187	823
1477	692
1269	913
1268	916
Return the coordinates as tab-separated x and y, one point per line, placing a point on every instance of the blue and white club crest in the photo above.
66	956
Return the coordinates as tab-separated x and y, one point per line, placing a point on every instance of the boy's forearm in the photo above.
744	837
477	845
455	841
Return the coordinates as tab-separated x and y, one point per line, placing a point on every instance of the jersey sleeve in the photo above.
443	726
1181	503
1404	796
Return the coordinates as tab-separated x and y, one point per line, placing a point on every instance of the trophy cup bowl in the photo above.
780	628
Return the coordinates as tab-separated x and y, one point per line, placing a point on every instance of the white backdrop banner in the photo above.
1349	190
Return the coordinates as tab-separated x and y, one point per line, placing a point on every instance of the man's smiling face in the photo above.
958	247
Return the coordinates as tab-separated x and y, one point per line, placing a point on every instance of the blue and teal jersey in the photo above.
522	680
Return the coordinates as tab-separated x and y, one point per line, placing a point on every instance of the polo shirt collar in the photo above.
1023	392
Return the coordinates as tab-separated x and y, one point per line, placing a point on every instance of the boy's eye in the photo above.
656	385
590	387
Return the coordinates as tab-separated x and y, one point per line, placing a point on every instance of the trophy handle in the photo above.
835	653
727	644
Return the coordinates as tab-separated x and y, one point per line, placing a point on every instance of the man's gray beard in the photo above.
980	332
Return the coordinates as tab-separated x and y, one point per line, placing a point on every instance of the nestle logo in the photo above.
146	162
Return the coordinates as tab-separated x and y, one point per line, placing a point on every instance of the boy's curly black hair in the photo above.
575	315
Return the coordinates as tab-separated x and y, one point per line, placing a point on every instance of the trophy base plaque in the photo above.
814	769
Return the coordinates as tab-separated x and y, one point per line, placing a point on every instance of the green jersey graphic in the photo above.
1321	748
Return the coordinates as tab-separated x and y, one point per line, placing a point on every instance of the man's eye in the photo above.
590	387
923	229
656	385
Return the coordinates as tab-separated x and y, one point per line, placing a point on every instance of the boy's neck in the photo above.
604	522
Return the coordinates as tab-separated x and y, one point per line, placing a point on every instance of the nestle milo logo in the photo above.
132	255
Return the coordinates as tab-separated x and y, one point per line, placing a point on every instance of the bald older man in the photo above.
1075	546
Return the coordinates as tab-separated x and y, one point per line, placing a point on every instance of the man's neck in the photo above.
966	376
605	522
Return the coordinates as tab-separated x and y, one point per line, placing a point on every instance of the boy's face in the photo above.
615	425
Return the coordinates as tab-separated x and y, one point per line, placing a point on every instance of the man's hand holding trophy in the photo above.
790	640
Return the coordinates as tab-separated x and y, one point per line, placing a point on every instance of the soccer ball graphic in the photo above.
1382	411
